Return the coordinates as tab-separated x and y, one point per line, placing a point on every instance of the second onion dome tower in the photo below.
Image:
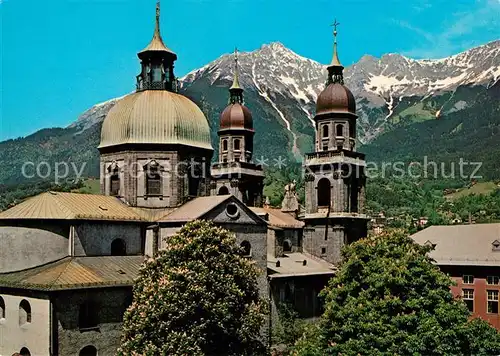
235	173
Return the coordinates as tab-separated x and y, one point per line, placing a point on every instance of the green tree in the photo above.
198	297
388	298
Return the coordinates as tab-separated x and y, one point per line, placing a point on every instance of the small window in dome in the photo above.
114	181
153	179
325	131
224	145
340	130
237	144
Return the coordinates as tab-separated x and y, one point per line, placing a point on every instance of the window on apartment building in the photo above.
88	351
492	301
24	312
468	279
468	298
24	352
2	308
492	280
88	317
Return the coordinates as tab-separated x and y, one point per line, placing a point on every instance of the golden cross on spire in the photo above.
335	25
236	79
335	59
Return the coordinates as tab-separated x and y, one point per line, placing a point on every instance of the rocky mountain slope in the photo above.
281	87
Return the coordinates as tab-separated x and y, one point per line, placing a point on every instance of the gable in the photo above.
233	211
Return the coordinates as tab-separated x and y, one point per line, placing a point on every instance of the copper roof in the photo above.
292	265
236	116
156	117
336	98
195	208
277	218
157	44
462	245
77	273
71	206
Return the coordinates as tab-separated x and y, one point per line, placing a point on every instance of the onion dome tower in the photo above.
235	173
335	172
155	143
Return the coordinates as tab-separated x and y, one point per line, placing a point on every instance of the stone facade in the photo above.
184	171
96	238
243	180
108	304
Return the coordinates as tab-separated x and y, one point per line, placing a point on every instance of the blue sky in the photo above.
59	57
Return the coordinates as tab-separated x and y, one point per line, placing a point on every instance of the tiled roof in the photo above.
76	273
292	264
462	245
195	208
153	214
277	218
71	206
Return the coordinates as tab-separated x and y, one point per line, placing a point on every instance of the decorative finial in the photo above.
335	59
236	79
236	92
157	29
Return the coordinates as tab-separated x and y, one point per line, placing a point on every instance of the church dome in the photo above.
336	98
236	116
155	117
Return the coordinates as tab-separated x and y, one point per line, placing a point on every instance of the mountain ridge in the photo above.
392	92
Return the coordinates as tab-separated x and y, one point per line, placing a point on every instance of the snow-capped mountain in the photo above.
281	87
287	84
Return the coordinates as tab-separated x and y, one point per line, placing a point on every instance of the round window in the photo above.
232	211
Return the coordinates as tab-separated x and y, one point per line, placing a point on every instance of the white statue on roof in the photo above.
290	201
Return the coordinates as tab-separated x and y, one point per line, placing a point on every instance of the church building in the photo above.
68	260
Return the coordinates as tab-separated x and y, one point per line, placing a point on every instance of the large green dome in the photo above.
155	117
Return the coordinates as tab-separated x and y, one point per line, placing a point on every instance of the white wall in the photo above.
35	336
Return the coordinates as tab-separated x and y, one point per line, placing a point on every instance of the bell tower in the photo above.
235	173
335	173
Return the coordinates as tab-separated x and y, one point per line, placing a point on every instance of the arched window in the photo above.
224	145
287	246
118	248
223	191
114	181
24	312
246	248
236	144
325	131
352	130
157	74
25	352
88	351
340	130
324	192
2	308
88	316
153	179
